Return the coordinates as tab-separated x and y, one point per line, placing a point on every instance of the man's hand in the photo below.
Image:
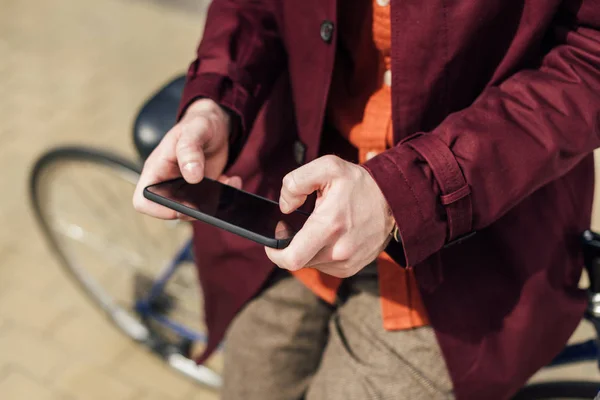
351	222
194	148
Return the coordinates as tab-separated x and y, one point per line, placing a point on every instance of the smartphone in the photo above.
236	211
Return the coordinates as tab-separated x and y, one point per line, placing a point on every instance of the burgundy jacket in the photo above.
496	110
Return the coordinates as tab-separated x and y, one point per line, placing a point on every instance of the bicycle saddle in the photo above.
156	116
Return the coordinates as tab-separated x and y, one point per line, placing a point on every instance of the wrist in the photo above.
391	228
391	225
211	110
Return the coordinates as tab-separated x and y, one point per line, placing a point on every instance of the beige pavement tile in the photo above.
584	331
201	393
88	382
28	267
39	356
142	369
155	396
91	337
65	293
7	235
28	309
16	386
28	279
578	371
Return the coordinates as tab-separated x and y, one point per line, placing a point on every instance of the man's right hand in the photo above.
194	148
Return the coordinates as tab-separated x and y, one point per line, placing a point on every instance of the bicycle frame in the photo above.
144	308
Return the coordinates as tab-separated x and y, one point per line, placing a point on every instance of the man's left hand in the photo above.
351	222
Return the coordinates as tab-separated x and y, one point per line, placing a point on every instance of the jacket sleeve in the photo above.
515	138
238	59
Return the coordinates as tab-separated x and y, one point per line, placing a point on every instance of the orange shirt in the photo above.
360	108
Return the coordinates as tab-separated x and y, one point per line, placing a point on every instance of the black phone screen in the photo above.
232	206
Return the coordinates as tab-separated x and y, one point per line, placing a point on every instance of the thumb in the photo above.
190	149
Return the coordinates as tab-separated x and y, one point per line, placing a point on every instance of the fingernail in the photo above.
191	166
235	181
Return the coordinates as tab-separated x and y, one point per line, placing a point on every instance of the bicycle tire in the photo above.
136	330
574	390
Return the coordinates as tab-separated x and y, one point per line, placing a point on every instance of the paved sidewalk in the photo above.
75	71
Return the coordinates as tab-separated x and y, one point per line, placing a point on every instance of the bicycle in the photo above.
152	300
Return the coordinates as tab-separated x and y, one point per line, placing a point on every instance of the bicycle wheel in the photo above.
82	201
573	390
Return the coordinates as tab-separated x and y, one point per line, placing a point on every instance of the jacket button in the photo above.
370	154
299	152
387	78
327	31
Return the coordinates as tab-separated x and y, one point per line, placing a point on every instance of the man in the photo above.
418	124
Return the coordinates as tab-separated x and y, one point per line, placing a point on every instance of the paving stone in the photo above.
85	381
201	393
91	337
28	309
26	267
155	396
144	370
29	351
16	386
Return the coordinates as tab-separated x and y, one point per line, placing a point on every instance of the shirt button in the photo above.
383	3
327	31
387	78
299	152
370	155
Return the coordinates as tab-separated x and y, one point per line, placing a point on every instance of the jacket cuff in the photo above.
427	193
231	96
406	189
222	90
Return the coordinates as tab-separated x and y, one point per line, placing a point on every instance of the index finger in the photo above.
160	166
302	181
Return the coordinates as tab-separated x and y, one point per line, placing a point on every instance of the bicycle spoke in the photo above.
83	200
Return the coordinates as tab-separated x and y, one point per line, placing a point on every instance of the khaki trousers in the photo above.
287	344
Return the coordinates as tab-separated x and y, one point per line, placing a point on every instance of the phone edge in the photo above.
255	237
